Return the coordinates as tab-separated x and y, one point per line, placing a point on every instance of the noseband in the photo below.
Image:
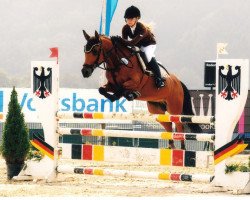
96	63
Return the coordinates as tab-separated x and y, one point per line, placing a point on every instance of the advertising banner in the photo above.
73	100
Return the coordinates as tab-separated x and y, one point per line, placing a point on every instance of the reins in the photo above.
119	54
107	56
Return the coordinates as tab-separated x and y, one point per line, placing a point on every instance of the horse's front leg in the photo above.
108	88
130	92
131	95
131	84
111	97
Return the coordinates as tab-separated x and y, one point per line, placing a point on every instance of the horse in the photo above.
126	78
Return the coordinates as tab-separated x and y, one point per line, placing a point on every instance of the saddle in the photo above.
143	61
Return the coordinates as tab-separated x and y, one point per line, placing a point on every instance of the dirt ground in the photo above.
69	185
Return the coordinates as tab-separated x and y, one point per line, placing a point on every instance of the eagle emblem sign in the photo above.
229	82
42	82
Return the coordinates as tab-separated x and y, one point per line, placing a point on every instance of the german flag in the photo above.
230	149
42	146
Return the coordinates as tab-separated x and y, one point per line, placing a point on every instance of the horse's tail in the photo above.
187	110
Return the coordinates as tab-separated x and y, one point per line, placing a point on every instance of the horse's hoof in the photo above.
183	147
102	90
171	146
113	98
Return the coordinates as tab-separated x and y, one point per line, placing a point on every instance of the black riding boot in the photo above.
159	82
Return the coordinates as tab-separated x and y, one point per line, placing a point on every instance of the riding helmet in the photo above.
132	12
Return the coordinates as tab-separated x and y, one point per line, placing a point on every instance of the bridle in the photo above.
96	62
106	56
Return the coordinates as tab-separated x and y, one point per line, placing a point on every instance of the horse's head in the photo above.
94	53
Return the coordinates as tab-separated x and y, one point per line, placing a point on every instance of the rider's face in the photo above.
131	21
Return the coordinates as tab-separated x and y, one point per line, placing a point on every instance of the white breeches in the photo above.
149	51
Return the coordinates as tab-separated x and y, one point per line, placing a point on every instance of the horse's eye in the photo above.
95	52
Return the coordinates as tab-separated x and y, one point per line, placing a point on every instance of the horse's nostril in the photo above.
86	72
83	72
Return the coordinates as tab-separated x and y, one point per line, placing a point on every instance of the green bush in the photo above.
238	167
15	140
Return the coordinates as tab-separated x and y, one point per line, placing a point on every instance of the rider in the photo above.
142	37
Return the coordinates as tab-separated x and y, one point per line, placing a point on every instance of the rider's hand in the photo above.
115	39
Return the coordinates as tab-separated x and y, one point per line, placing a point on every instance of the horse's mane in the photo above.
104	36
94	41
118	43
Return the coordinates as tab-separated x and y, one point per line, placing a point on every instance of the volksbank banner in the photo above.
73	100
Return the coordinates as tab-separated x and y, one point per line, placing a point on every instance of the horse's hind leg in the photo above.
168	128
179	127
158	108
175	107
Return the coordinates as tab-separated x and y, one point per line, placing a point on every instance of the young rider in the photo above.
142	37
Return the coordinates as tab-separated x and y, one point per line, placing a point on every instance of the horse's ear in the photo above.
96	35
86	35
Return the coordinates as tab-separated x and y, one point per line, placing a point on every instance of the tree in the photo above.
15	140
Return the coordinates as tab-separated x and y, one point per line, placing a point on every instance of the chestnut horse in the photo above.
127	79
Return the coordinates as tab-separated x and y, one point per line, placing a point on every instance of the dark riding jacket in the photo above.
142	36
